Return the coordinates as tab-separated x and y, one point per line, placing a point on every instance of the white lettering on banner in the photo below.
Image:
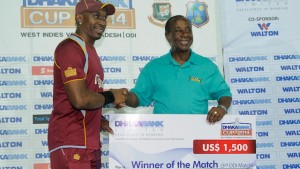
30	34
112	70
10	71
13	59
250	69
252	101
262	134
113	58
289	122
11	167
264	123
252	90
286	57
292	133
291	89
263	156
265	33
4	157
43	106
288	100
49	2
266	166
13	107
265	145
248	59
112	35
115	81
43	82
42	155
11	120
13	83
104	165
44	143
263	18
10	95
253	112
11	144
290	165
292	111
43	58
287	78
290	67
143	58
290	144
46	94
14	132
250	80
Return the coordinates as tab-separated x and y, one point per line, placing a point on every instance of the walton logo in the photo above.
264	26
264	31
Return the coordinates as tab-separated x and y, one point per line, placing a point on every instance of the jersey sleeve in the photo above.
219	87
71	60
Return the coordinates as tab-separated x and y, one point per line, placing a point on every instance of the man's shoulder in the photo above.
200	59
67	44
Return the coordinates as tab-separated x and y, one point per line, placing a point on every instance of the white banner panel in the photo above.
261	60
181	141
32	29
260	26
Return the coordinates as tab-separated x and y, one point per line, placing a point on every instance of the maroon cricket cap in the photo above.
94	5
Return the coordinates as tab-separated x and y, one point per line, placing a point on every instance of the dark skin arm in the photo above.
132	100
105	125
83	98
215	114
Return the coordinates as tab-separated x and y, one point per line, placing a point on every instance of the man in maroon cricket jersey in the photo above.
74	127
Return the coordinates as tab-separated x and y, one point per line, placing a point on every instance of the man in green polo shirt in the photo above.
181	81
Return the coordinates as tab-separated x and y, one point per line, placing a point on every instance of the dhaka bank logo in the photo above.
197	13
61	14
264	30
236	128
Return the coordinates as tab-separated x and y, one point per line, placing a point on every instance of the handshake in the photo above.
120	96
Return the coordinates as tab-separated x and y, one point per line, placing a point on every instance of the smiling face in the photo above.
180	35
91	25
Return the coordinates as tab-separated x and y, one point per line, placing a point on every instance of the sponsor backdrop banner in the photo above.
29	36
261	50
261	45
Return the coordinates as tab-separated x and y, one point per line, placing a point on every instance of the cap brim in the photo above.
110	9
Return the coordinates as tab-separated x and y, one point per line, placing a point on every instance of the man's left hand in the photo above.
105	126
215	114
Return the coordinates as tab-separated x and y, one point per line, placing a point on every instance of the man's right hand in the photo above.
120	96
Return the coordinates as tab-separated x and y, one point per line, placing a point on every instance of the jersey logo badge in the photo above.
195	79
70	72
76	157
98	81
